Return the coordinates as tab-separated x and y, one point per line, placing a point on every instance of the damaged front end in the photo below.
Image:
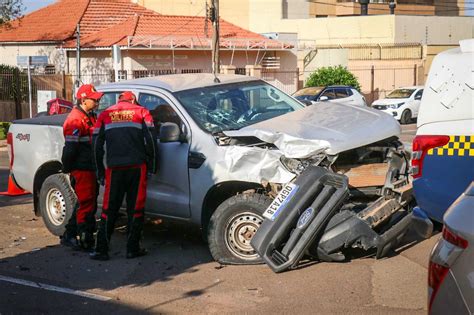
357	199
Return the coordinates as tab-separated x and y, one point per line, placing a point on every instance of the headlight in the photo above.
395	106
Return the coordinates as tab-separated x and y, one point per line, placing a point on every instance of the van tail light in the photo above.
438	270
10	148
421	145
454	239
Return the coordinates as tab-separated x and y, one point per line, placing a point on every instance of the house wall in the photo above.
440	30
335	8
100	61
92	62
375	29
9	53
233	11
163	59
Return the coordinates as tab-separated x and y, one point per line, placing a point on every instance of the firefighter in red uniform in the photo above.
77	160
128	132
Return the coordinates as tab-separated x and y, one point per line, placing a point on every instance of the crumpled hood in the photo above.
390	101
328	127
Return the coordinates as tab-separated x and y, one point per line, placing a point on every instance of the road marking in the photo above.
54	288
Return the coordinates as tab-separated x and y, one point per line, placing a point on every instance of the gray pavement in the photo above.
179	275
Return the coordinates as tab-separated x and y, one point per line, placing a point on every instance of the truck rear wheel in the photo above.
233	225
57	200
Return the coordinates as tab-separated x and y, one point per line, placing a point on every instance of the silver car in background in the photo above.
451	268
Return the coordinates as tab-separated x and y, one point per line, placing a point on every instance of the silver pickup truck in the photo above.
226	149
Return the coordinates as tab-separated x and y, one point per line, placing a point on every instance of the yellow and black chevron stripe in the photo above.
457	146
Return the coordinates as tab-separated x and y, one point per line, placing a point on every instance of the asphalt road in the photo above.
179	276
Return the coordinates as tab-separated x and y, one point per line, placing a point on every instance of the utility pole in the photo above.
364	7
392	5
214	17
78	56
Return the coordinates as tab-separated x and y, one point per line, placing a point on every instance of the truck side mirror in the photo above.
170	132
323	98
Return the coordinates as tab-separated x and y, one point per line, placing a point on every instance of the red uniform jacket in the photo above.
77	152
129	134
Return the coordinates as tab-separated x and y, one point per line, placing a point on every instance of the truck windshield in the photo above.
401	93
234	106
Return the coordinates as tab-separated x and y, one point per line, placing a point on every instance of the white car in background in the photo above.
342	94
402	103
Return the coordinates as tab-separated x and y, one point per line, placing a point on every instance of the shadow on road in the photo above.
174	250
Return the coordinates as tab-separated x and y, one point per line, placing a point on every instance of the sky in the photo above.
32	5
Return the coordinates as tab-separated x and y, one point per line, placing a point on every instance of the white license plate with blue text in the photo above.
280	201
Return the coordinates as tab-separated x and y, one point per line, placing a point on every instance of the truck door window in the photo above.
159	109
109	99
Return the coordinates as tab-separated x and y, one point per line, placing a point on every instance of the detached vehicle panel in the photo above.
226	150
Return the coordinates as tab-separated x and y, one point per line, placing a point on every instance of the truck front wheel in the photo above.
57	200
233	225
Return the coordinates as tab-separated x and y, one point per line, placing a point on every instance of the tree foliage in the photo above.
337	75
10	10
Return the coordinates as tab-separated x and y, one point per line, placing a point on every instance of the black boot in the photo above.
133	242
102	242
86	237
69	238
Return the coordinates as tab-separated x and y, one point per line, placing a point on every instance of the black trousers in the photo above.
123	182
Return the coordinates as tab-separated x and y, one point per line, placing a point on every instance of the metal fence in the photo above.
285	80
376	82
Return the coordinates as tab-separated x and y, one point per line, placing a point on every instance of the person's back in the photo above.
124	126
127	132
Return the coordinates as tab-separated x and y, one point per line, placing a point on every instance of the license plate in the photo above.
280	201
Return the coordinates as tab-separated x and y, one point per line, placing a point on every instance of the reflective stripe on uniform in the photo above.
72	138
123	125
84	139
457	146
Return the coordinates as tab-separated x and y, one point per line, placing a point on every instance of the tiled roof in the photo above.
159	30
103	14
108	22
55	22
105	38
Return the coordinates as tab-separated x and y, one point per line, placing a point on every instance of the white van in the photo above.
443	149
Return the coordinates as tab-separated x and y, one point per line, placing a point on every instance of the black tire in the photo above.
57	200
406	117
232	226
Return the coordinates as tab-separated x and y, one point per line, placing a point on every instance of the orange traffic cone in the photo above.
13	189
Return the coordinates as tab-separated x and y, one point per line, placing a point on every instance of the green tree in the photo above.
337	75
10	10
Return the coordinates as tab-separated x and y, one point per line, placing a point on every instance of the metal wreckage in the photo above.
340	199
